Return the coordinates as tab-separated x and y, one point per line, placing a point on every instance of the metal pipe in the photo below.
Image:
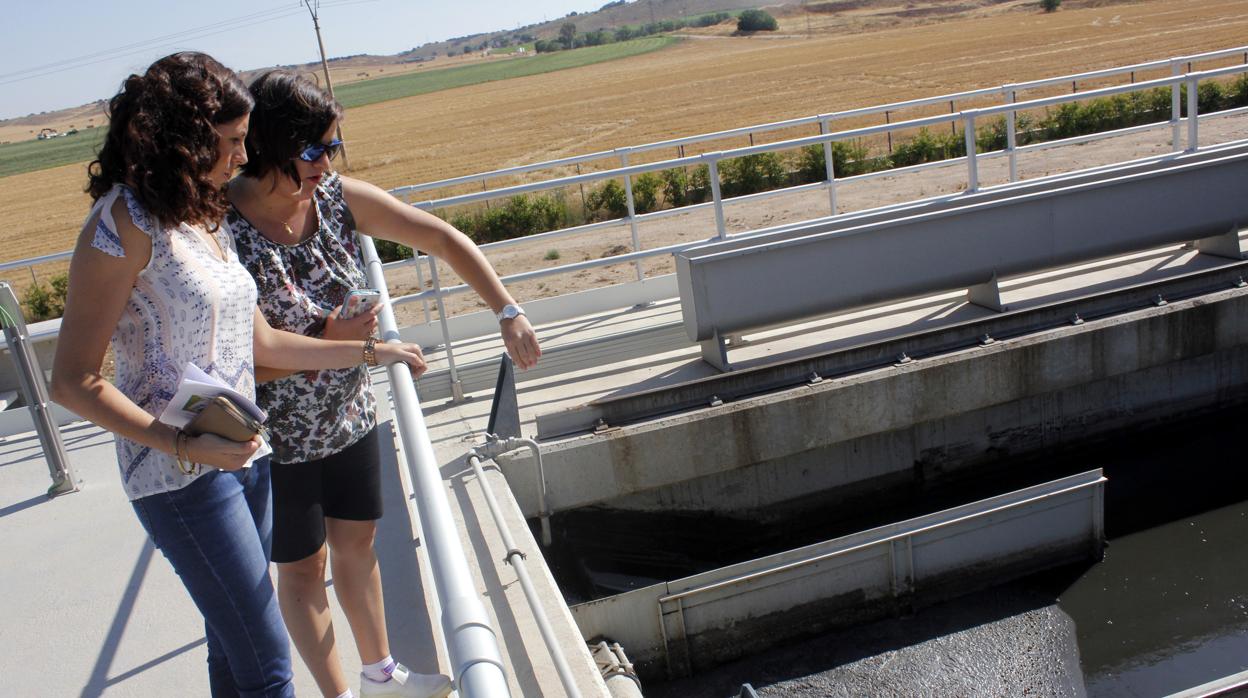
472	644
829	167
35	393
457	386
632	211
712	166
495	447
972	166
1175	108
1193	118
1011	142
516	558
420	280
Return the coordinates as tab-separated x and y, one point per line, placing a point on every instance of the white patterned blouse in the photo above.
187	306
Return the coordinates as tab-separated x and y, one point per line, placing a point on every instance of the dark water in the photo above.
1166	609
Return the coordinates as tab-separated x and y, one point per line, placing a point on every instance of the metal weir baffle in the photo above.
35	392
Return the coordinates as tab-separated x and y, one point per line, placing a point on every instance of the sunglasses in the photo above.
313	152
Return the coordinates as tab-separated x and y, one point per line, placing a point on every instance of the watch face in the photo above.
510	312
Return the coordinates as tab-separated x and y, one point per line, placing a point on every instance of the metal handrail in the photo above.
471	642
1005	89
515	557
712	159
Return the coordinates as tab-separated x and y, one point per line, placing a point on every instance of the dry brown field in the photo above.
700	85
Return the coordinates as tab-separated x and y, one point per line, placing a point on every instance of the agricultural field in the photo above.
358	94
711	81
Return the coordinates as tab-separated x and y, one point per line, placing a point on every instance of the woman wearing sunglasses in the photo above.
155	272
294	221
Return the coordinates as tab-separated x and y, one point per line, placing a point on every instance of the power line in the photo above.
165	41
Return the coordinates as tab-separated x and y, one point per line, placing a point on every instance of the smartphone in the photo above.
359	301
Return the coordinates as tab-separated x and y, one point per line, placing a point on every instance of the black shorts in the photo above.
344	485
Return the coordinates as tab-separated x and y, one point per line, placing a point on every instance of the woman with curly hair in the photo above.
294	221
154	271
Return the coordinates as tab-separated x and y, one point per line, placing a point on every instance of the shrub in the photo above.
711	19
849	158
1209	97
392	251
675	187
751	173
646	192
521	215
41	303
608	200
756	20
928	147
551	255
1050	5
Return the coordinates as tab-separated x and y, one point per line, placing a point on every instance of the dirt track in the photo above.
696	87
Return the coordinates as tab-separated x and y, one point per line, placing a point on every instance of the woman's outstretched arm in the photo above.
379	214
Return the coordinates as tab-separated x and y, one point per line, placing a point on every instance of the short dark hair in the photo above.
290	114
162	139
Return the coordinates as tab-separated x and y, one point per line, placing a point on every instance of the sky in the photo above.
70	52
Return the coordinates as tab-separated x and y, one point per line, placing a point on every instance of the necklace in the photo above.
289	232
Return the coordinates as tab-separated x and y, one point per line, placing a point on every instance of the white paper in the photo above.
196	388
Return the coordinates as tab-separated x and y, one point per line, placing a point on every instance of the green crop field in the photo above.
357	94
28	156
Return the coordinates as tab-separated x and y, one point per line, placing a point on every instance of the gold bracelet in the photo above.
370	351
181	446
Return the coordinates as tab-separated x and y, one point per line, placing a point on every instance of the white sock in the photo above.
380	671
346	694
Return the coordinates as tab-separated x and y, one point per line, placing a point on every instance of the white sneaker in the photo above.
404	683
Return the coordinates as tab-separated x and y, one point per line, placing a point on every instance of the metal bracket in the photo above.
715	352
987	295
1225	245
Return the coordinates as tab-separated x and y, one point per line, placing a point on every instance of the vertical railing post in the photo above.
485	187
712	166
420	280
1176	110
1011	140
889	133
972	164
1193	118
457	386
632	212
829	166
35	392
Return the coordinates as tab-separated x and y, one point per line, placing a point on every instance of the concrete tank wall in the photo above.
926	419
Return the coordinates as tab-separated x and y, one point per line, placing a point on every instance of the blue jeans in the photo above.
216	532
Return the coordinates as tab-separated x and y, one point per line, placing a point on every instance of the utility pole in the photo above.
313	6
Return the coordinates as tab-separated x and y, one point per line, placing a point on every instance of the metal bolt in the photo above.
1076	320
1158	300
715	401
814	378
601	425
1239	282
986	339
903	359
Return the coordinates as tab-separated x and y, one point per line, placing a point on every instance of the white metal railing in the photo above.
822	119
967	117
471	642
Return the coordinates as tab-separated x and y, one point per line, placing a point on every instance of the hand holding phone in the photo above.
359	301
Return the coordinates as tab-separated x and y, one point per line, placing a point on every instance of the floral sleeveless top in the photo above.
187	306
312	414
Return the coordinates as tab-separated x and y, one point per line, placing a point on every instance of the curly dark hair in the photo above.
162	140
290	114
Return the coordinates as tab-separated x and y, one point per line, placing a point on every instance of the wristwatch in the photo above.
511	311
